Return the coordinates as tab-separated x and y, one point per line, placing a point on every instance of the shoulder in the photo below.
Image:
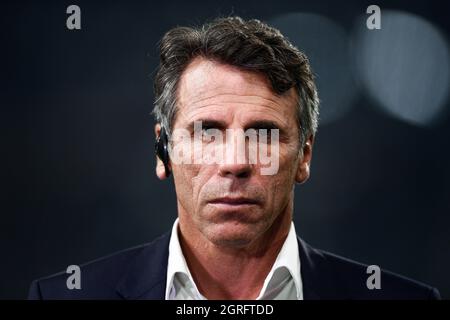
99	278
337	277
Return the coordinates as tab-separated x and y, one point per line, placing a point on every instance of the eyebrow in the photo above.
221	125
263	124
208	123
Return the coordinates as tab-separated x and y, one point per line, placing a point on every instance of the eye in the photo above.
266	135
209	133
208	127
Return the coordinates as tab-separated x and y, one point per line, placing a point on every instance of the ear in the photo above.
160	170
304	163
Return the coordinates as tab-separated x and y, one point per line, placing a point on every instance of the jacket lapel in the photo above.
318	277
146	276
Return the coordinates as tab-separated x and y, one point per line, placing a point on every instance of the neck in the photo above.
224	272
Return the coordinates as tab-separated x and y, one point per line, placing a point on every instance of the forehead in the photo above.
211	89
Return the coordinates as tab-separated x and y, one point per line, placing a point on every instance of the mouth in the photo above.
233	202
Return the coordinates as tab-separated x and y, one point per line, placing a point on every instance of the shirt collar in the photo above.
287	259
177	264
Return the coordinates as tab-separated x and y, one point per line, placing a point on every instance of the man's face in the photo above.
229	203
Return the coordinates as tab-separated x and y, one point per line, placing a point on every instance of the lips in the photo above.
234	201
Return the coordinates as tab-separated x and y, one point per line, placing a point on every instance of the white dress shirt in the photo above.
283	282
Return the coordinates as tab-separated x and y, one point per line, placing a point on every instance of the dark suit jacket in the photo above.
140	273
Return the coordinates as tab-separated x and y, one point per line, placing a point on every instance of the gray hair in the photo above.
249	45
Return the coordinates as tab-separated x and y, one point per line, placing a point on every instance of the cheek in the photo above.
183	176
188	181
282	183
278	191
288	159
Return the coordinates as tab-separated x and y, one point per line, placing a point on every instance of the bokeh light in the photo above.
404	66
327	46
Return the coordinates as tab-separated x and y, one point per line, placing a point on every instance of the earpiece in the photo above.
162	151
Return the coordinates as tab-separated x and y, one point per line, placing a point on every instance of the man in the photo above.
234	237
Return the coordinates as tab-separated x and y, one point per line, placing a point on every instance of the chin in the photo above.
231	234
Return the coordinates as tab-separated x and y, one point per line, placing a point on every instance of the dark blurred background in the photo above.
77	161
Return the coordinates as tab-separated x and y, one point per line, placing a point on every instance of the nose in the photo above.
235	170
236	162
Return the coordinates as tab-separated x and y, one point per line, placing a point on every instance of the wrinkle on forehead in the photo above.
244	108
207	86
